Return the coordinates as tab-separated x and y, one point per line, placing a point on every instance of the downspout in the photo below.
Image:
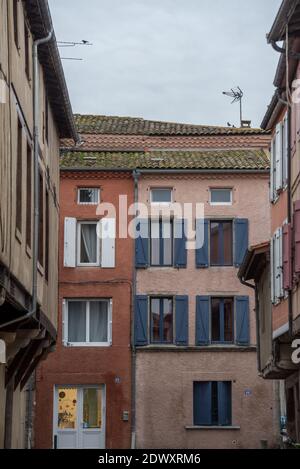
289	211
36	109
136	176
254	287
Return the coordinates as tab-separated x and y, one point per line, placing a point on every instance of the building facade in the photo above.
29	183
274	265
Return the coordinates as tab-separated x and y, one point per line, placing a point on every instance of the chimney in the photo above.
246	124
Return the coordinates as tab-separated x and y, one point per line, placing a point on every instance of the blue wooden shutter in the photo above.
202	403
224	403
202	243
241	239
141	320
142	244
180	252
202	320
182	320
242	320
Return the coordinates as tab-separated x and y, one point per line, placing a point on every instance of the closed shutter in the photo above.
182	321
241	239
141	321
202	320
202	403
297	236
242	320
180	251
278	263
70	242
278	157
202	244
287	257
142	244
108	242
273	269
285	149
224	403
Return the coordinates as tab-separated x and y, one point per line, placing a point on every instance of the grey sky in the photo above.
168	59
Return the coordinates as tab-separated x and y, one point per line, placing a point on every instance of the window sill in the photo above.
215	427
85	345
193	348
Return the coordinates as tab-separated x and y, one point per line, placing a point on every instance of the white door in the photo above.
79	417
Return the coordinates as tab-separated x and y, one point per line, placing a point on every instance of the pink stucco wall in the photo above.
164	377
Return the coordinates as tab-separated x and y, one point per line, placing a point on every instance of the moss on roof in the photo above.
93	124
206	160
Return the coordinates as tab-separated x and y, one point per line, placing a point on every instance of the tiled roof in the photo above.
91	124
203	160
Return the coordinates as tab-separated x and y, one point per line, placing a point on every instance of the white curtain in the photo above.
98	321
88	244
77	321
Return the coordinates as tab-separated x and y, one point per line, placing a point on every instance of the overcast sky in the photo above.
168	59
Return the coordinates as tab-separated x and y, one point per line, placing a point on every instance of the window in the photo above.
161	243
41	220
88	244
222	330
19	178
161	196
27	47
16	22
221	196
212	403
29	195
88	196
161	311
221	243
88	323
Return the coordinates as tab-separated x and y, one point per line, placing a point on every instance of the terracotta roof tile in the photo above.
206	160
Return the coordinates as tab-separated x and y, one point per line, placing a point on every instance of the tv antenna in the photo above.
62	44
237	95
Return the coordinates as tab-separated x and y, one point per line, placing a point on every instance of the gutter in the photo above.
136	175
36	108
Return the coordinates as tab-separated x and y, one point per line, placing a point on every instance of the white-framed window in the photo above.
88	196
88	243
87	323
161	195
220	196
277	291
279	159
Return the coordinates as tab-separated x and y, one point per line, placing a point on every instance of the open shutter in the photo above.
242	320
108	242
65	322
241	239
141	321
272	267
224	403
182	321
285	148
70	242
297	236
278	265
272	172
142	244
202	244
278	157
202	320
202	403
180	251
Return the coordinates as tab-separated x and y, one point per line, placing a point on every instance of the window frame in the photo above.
78	244
161	298
79	189
219	189
88	301
219	221
161	243
222	323
166	204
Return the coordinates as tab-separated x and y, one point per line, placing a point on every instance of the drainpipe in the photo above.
289	211
136	176
36	109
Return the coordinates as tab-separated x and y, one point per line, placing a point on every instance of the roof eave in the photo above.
284	15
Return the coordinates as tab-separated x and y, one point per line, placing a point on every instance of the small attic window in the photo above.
88	196
220	196
161	196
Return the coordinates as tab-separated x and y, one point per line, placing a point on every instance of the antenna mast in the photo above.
237	95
